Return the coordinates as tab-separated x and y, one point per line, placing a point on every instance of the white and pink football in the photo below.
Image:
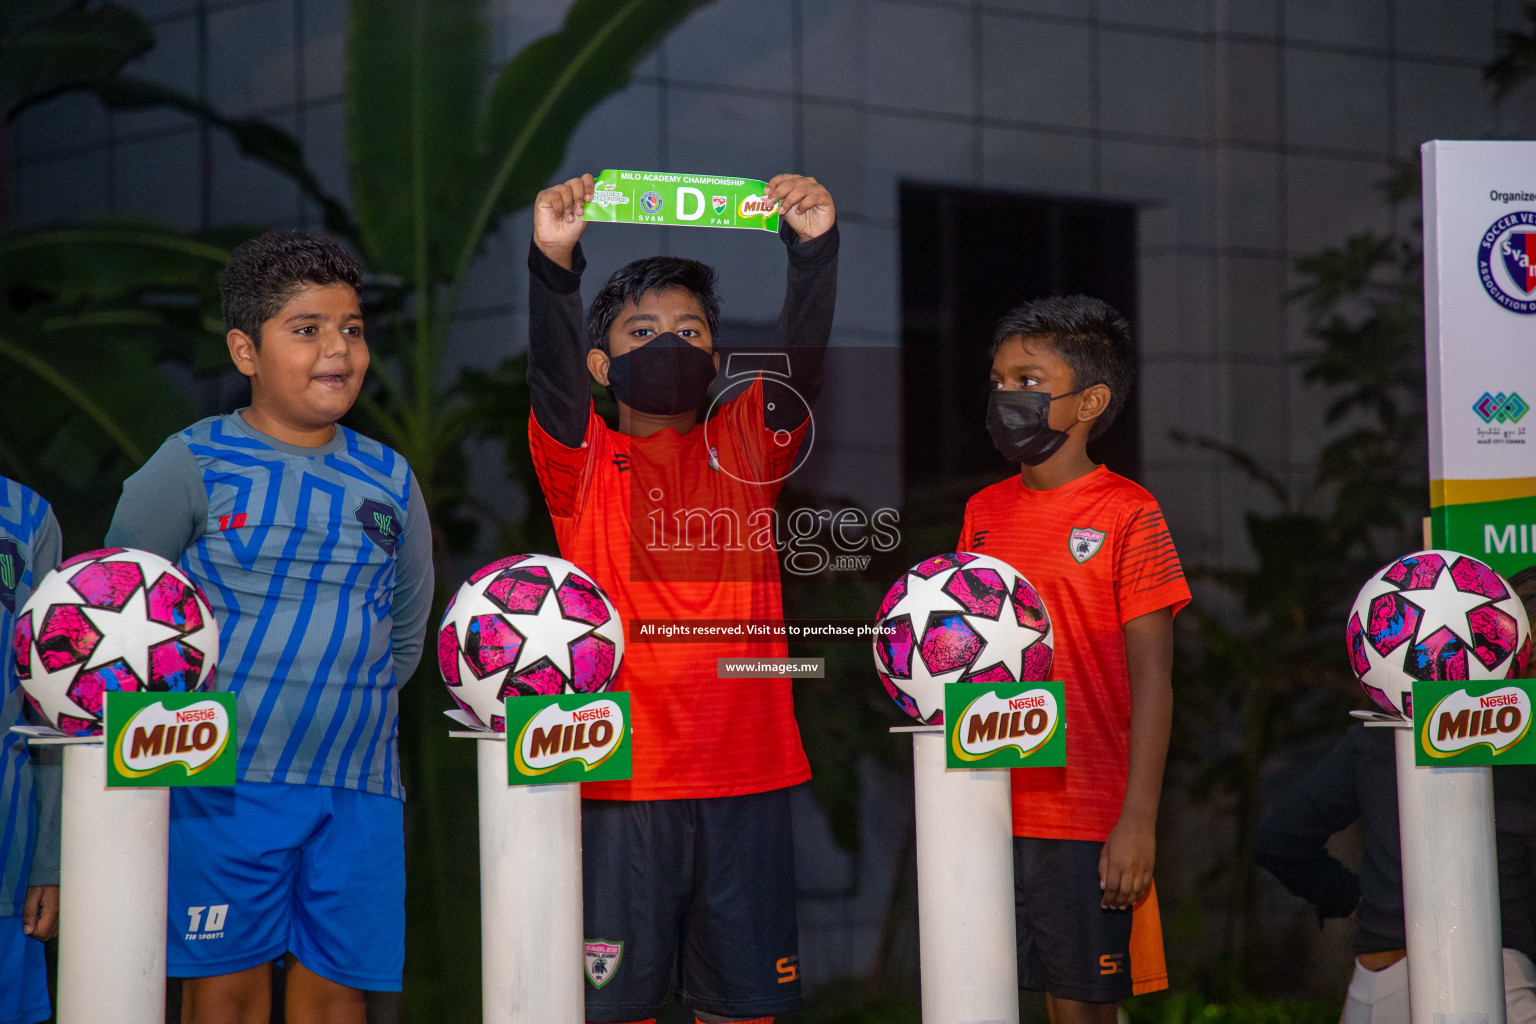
959	618
1434	615
525	625
114	619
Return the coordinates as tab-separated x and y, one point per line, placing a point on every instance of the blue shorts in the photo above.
263	869
21	959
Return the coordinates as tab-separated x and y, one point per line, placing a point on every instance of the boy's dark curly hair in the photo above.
648	275
262	274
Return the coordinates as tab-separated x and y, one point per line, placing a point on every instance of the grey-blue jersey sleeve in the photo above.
413	585
47	762
164	507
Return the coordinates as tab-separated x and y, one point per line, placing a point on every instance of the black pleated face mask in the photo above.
1020	425
664	377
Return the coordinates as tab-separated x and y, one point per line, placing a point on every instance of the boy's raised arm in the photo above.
557	345
808	226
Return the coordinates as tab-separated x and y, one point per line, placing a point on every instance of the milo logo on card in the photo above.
170	739
571	737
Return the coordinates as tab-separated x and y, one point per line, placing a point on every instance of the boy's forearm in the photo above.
1149	657
557	371
805	322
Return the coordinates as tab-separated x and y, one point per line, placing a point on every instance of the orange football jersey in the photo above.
672	527
1099	553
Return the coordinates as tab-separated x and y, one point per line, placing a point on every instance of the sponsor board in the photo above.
568	737
683	200
170	739
1479	315
1473	723
1004	725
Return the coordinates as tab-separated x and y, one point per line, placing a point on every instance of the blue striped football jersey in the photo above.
29	550
317	562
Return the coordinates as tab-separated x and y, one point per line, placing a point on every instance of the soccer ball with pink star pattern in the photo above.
958	618
1434	615
114	619
526	625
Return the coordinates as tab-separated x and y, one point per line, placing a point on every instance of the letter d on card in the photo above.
1005	725
568	737
170	739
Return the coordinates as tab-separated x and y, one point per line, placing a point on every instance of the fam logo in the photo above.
650	202
719	203
380	522
12	566
1506	261
1510	408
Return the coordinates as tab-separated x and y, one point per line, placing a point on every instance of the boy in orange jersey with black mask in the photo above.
1095	546
689	867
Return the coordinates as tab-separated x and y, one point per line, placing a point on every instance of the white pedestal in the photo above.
1450	890
112	869
965	905
531	944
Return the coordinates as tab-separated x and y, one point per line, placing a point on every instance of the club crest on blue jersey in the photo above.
380	522
13	564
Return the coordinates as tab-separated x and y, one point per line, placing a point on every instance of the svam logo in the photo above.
1510	408
1506	261
380	522
651	202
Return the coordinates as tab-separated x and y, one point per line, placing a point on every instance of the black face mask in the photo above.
1019	422
664	377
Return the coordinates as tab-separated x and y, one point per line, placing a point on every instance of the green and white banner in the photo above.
1004	725
1473	723
170	739
1480	329
568	737
683	200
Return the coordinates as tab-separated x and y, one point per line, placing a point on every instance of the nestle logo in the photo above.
1510	408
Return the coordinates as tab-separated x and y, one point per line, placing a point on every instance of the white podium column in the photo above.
965	905
531	944
1450	890
112	878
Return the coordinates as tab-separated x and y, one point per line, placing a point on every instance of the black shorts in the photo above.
699	894
1071	947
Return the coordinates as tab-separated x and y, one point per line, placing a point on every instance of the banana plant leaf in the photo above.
47	48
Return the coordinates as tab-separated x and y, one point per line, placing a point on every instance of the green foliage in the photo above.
1273	674
1182	1008
48	47
1516	59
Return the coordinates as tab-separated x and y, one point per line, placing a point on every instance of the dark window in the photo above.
967	256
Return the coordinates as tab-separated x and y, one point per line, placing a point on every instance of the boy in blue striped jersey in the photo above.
29	778
312	544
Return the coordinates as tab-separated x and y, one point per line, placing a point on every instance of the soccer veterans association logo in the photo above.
650	202
1506	261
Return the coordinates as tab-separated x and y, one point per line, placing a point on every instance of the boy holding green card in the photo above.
689	866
